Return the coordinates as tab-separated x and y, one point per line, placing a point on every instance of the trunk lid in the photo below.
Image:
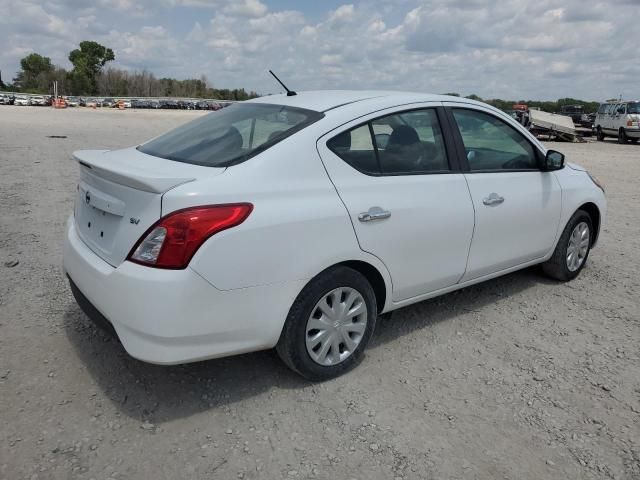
119	196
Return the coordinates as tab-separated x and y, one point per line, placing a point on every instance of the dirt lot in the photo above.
518	378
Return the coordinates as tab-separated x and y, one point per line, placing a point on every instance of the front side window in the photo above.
492	145
231	135
400	144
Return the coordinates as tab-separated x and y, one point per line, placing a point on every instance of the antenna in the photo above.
290	93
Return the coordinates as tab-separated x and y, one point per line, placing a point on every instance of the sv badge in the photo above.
134	221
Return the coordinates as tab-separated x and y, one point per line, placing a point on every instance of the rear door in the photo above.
517	205
408	203
119	197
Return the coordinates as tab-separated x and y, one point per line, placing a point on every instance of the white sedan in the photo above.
23	100
294	221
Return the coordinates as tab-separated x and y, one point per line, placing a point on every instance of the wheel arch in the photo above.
594	212
373	276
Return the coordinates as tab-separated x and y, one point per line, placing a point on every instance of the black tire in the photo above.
292	347
599	135
556	267
622	136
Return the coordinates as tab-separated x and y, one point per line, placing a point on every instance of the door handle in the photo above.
493	199
374	213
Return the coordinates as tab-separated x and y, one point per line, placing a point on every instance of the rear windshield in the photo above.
230	135
633	107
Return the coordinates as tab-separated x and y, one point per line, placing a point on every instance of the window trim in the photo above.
462	158
447	137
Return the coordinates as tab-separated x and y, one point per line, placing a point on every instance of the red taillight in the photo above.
174	239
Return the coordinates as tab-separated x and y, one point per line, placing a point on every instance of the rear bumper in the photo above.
174	316
632	133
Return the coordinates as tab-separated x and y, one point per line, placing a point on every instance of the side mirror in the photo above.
621	110
553	161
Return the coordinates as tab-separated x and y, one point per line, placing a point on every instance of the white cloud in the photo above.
518	49
246	8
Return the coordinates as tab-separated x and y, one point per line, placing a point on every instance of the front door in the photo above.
408	206
517	205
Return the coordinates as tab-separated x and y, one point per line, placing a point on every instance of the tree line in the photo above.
550	106
90	77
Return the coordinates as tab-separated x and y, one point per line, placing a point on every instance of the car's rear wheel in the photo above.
572	250
329	324
600	135
622	136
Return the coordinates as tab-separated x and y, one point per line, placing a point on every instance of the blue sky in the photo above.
521	49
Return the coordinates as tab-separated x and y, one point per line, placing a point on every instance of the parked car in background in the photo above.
619	119
294	221
573	111
23	100
107	102
140	104
6	99
187	104
72	101
38	100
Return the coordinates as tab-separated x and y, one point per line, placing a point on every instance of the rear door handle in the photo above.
374	213
493	199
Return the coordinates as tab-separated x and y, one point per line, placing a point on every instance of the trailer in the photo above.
553	125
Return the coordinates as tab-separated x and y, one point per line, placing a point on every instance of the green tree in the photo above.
35	74
88	61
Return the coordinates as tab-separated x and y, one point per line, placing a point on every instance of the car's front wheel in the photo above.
572	250
329	324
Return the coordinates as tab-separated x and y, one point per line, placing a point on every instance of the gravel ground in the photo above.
519	377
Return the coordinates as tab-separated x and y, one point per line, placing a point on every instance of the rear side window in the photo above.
231	135
405	143
410	142
633	107
356	148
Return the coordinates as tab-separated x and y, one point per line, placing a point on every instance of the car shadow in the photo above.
159	394
427	313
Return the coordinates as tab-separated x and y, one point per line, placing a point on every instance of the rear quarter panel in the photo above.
298	226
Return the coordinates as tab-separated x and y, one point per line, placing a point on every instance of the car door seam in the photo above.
473	231
353	227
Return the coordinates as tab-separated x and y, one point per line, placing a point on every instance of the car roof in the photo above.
324	100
